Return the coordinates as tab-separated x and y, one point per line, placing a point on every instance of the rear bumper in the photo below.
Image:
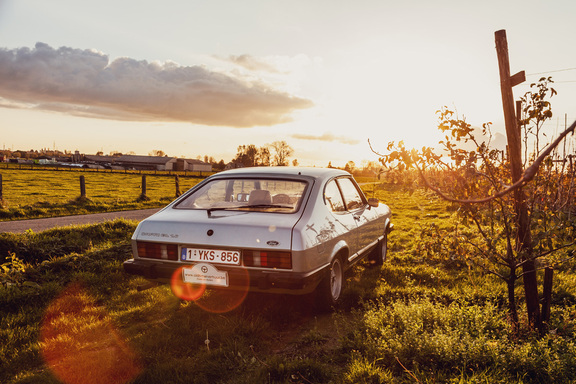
269	281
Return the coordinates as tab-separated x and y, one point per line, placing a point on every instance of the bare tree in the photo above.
282	151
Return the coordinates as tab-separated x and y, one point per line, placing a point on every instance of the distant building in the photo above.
193	165
156	163
98	161
46	161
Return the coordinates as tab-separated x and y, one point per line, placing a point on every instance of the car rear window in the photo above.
264	195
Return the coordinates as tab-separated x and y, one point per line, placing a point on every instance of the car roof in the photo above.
317	173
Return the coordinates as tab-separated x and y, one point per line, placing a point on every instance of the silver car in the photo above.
285	230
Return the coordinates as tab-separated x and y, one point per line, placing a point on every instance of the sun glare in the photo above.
81	345
213	300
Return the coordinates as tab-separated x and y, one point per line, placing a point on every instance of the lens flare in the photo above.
218	300
185	291
80	345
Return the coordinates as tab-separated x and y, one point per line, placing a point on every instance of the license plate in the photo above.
210	255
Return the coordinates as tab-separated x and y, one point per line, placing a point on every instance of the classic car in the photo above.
284	230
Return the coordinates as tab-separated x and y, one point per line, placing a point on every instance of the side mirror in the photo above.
373	202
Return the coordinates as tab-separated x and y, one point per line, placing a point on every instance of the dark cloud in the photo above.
86	83
326	137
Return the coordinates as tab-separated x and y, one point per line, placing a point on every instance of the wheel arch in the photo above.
388	226
341	250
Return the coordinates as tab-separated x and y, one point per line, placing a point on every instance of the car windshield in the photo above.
254	194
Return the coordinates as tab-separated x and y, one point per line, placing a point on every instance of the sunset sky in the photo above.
201	77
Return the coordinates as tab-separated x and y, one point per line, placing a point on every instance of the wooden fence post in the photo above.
2	202
143	195
82	187
177	180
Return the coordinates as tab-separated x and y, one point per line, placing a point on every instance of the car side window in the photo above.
333	197
352	197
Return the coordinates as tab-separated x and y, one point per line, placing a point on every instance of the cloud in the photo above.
87	83
253	63
275	64
326	137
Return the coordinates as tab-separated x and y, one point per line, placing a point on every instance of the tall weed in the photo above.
428	339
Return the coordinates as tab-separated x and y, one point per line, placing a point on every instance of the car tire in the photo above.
329	291
379	254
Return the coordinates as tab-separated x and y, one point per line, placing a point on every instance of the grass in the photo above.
45	193
69	314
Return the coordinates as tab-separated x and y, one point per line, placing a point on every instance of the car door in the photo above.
344	222
366	231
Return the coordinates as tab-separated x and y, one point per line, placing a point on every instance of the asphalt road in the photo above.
39	225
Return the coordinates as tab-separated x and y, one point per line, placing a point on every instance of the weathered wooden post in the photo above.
143	195
144	185
523	236
2	202
177	181
547	295
82	187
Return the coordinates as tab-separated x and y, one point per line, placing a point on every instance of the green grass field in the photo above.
46	193
68	314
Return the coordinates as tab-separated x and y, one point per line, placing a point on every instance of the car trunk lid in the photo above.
229	229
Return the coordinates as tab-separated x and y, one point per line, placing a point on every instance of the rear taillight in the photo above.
268	259
157	251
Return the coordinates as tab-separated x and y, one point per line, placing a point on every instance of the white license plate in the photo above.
210	255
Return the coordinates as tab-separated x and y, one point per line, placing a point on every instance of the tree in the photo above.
247	155
350	166
157	152
536	110
493	233
221	165
282	151
265	156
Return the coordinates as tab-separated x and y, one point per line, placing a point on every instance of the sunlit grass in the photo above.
66	307
45	193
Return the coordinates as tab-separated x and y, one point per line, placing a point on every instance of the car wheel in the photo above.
381	251
329	292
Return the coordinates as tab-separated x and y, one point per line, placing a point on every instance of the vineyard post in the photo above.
523	236
547	295
1	192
